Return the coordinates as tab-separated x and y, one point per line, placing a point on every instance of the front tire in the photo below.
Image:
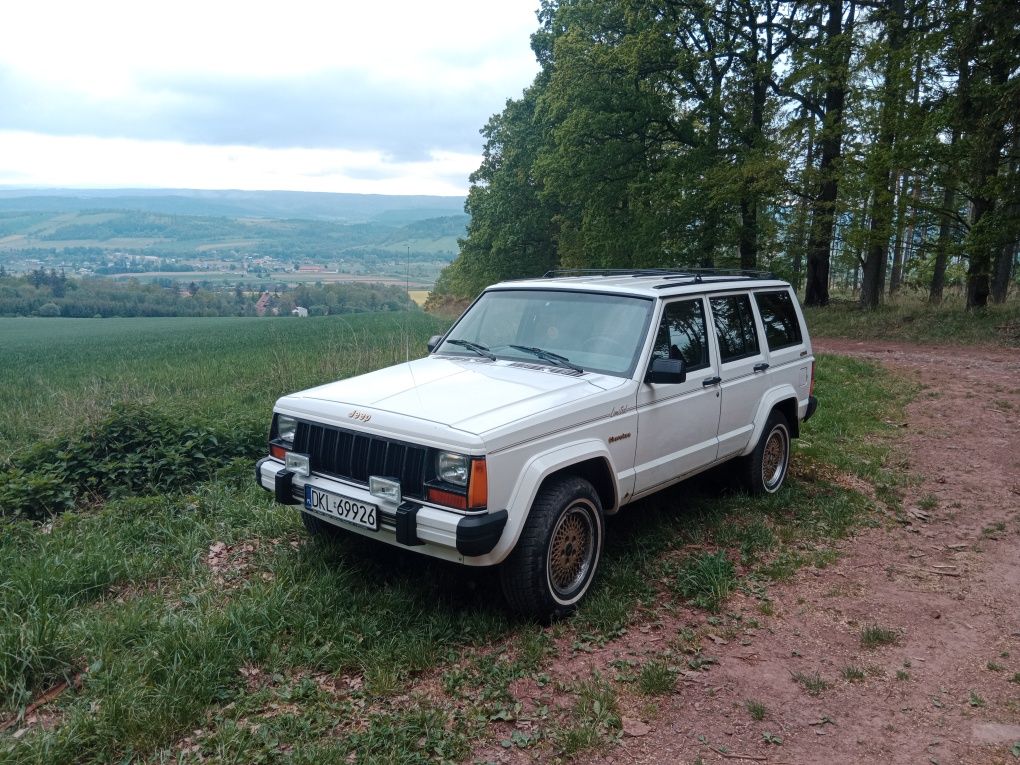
553	565
766	466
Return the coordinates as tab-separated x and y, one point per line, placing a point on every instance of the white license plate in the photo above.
342	508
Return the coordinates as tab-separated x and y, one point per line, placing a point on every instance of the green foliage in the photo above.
133	451
692	133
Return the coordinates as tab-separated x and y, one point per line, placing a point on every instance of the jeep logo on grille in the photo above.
356	415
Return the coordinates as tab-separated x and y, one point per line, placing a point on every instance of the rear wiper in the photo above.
555	358
478	348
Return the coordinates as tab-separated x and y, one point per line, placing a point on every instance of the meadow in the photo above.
197	623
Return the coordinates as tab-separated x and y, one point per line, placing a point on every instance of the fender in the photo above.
772	397
536	470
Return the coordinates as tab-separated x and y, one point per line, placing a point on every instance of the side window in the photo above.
734	324
780	319
682	334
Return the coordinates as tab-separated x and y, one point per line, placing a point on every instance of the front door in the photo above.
677	424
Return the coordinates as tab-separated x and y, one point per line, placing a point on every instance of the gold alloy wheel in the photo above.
773	458
571	550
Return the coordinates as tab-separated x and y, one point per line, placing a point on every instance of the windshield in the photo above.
591	331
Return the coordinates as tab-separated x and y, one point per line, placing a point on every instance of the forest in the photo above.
851	146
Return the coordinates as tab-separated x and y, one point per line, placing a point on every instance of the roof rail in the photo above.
696	274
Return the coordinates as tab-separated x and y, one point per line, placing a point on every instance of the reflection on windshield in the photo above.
596	332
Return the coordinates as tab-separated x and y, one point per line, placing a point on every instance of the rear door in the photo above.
742	367
788	355
677	424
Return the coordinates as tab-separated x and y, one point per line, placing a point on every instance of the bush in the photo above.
49	309
132	451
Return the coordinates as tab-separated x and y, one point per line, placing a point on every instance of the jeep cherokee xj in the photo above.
549	404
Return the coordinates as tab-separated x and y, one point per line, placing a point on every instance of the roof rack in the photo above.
695	274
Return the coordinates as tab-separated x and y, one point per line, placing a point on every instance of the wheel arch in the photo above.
595	471
589	459
783	398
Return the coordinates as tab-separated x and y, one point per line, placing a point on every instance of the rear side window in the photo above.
683	334
780	319
734	324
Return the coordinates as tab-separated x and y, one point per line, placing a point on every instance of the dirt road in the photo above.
944	585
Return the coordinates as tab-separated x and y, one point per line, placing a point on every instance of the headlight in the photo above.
453	468
286	427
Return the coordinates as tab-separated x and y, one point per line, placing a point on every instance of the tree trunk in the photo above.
938	277
899	244
839	44
1003	273
873	277
748	231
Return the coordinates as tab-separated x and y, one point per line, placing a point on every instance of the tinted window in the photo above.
734	324
779	318
682	334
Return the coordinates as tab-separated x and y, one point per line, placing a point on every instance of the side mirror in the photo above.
667	371
434	341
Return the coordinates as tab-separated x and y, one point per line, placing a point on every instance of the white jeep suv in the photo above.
549	404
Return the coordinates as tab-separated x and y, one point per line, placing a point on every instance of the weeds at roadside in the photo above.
873	636
852	673
756	709
656	678
814	683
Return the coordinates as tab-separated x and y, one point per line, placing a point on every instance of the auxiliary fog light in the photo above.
384	488
298	464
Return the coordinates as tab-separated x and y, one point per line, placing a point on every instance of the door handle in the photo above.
761	367
708	382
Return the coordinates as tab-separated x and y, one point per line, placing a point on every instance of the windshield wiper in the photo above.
478	348
555	358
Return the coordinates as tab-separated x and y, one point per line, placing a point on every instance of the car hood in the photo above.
472	396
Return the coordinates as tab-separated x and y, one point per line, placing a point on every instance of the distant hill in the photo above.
342	208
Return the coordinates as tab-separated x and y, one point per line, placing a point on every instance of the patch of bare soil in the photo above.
944	585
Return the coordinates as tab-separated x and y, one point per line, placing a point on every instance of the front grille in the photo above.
355	456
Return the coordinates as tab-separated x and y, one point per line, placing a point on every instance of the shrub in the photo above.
133	451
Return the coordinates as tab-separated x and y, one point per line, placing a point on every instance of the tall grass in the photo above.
909	317
61	373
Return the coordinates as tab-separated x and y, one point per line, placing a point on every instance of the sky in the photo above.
307	95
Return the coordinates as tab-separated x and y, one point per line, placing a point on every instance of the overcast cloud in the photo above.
324	96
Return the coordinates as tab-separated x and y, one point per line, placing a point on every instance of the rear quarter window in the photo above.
779	317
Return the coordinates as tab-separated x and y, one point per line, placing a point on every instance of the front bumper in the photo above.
441	533
812	405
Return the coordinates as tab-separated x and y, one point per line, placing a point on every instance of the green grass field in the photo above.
199	624
62	373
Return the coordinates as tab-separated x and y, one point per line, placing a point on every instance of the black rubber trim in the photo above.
407	524
478	534
258	471
284	486
812	405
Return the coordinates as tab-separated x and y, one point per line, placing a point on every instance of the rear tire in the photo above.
553	565
318	528
765	467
